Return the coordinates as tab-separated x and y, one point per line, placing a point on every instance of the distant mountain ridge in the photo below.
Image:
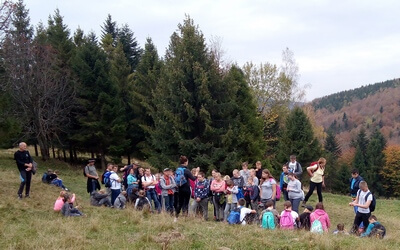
372	106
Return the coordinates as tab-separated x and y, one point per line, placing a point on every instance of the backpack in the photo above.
234	216
278	191
268	220
316	226
180	177
286	221
142	203
84	173
378	231
372	205
106	179
240	194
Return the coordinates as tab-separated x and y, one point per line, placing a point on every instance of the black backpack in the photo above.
373	202
142	203
378	231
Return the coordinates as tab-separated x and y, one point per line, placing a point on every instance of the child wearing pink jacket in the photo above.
320	214
60	201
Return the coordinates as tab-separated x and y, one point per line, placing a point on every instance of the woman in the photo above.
218	187
316	172
294	192
322	216
267	187
184	185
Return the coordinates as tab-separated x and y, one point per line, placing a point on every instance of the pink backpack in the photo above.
286	221
278	191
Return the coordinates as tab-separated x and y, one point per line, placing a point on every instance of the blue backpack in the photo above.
268	220
180	177
234	216
106	179
240	194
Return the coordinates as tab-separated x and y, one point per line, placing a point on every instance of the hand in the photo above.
122	169
323	184
351	204
198	199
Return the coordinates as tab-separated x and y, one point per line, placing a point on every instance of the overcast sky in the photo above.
338	45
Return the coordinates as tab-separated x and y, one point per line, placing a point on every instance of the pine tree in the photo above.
130	46
20	21
109	27
145	82
361	144
298	138
331	144
375	160
101	122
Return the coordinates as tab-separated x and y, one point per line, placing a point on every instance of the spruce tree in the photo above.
101	123
331	144
130	46
110	27
298	138
375	160
146	79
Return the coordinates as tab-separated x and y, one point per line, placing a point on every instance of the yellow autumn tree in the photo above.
391	170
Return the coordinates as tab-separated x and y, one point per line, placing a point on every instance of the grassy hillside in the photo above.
32	224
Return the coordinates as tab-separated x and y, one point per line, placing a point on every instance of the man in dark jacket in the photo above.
354	185
24	164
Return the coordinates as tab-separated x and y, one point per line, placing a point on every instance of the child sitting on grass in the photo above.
246	214
264	218
340	229
120	202
66	209
288	217
374	229
304	219
99	198
142	202
60	201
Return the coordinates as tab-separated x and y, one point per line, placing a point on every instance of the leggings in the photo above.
312	187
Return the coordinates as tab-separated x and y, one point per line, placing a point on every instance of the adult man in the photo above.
295	167
92	177
355	185
149	181
24	164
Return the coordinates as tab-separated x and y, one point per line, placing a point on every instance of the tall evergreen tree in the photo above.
20	21
298	138
194	107
361	144
100	117
331	144
130	46
146	79
110	27
376	161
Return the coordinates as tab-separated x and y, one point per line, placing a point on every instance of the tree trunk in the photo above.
44	149
103	161
75	156
54	152
36	150
71	155
129	159
64	155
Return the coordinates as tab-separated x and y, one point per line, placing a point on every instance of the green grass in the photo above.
32	224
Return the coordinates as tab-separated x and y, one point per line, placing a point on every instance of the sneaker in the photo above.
175	219
19	196
27	196
66	189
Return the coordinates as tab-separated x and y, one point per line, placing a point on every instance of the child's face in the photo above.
200	178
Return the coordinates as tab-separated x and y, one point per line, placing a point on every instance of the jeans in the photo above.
114	195
152	195
25	177
314	185
228	208
295	204
203	204
169	203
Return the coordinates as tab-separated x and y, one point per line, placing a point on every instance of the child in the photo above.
244	211
231	199
269	209
158	188
100	198
288	217
133	185
321	215
120	202
167	184
374	229
251	192
218	188
340	229
304	219
60	201
142	202
201	191
66	209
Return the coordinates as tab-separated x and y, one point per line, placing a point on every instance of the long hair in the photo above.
266	171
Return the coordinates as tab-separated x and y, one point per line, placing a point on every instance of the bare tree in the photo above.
6	9
42	96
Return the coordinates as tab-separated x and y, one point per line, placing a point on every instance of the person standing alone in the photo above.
24	164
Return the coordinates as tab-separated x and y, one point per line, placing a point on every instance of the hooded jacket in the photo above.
353	191
323	218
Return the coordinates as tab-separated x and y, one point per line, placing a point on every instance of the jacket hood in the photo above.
319	212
